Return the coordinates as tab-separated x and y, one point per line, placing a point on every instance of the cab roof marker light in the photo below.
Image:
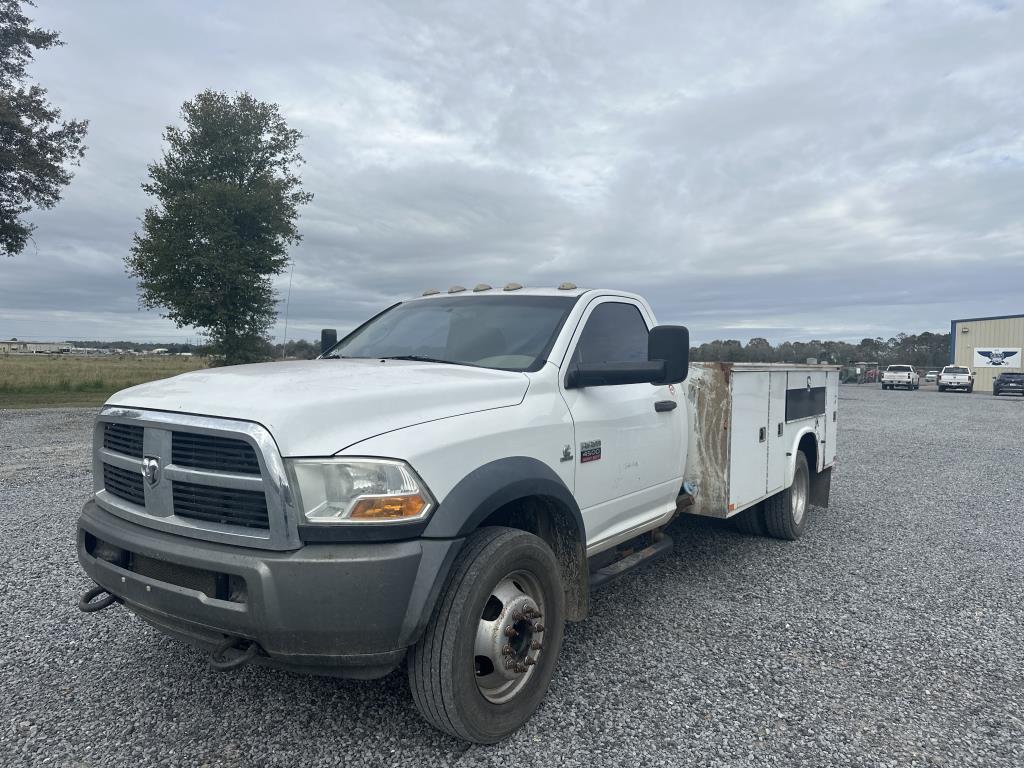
480	287
430	292
512	287
456	289
567	286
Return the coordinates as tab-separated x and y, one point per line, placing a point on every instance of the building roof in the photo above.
993	317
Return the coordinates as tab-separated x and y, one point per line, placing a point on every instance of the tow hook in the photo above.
221	662
86	604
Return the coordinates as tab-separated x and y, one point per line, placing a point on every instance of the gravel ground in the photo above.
889	635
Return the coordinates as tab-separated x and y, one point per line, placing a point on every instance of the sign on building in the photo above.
997	357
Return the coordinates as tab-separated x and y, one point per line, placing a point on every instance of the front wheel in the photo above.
785	513
489	650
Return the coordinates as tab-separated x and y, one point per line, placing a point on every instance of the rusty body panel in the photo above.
709	403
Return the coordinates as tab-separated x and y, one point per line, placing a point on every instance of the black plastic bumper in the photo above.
350	610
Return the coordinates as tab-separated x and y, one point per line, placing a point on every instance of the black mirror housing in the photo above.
611	374
670	343
328	338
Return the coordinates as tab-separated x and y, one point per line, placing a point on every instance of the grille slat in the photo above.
225	454
228	506
123	438
124	483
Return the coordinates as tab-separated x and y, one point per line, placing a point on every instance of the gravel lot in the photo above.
889	635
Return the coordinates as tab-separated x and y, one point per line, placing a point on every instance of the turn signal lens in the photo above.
388	508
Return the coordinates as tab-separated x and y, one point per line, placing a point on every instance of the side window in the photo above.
614	333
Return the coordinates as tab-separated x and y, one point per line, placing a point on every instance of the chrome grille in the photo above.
227	506
224	454
123	438
124	483
209	478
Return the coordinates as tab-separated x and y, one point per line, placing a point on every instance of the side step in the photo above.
649	554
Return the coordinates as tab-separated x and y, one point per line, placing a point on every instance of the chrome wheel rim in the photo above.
509	637
798	495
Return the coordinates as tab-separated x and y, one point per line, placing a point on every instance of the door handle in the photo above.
665	405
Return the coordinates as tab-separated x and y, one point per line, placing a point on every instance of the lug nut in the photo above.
536	646
506	650
511	632
538	627
529	662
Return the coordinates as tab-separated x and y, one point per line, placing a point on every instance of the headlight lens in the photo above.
359	491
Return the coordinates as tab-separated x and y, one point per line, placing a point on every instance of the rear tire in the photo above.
786	513
751	521
457	671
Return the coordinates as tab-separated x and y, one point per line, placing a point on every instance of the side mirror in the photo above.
328	338
610	374
670	343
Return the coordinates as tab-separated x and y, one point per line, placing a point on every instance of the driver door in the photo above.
626	452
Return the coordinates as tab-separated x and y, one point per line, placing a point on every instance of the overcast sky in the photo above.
791	170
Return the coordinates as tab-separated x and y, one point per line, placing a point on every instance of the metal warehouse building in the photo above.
987	345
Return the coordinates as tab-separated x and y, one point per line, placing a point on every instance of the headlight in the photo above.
359	491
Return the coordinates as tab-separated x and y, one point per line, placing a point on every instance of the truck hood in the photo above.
319	407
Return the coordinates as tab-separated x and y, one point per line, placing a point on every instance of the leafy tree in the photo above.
227	200
35	145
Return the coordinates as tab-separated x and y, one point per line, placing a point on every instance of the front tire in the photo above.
487	655
786	513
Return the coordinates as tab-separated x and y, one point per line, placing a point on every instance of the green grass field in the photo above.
36	381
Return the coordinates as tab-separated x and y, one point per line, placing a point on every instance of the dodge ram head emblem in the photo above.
151	470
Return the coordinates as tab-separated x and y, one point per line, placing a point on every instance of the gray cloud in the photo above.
832	170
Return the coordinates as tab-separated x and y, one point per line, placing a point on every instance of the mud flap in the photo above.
821	486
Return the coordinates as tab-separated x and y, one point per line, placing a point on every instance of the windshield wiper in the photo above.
421	359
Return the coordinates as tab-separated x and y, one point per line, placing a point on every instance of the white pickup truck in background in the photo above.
956	377
901	376
445	485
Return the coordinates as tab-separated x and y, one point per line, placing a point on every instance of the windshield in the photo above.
954	369
899	368
510	333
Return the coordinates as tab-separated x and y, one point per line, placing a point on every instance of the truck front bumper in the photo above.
349	610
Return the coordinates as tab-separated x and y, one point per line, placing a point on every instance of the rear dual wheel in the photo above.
487	655
786	513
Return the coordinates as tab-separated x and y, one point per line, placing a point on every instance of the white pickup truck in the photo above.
445	485
956	377
901	376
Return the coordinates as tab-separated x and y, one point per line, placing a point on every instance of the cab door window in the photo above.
614	333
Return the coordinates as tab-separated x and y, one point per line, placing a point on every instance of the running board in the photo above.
649	554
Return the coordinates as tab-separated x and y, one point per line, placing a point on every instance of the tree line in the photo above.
922	350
